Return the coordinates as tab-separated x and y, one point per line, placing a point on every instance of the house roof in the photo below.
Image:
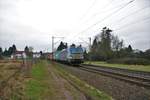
19	52
47	53
36	53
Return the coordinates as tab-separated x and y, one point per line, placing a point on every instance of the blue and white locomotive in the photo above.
72	54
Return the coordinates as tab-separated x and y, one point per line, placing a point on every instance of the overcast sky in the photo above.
34	22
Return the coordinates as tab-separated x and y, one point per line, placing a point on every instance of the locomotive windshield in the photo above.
76	50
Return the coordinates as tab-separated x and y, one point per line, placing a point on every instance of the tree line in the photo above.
12	50
108	47
8	52
63	45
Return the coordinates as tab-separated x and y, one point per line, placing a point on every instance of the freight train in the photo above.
72	55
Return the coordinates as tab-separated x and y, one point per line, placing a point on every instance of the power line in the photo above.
125	5
130	24
106	17
105	7
94	15
88	10
109	15
127	25
53	42
131	14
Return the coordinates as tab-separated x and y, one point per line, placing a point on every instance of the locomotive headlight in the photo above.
81	57
70	57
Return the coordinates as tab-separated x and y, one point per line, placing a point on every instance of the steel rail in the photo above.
145	75
141	81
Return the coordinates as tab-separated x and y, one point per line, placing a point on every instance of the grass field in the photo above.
45	81
10	80
38	87
123	66
50	82
7	69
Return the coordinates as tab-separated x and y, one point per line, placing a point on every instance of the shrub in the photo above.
135	61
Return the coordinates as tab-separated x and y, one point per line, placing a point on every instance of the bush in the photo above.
130	61
1	57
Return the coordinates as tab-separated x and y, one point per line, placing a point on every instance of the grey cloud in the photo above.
13	31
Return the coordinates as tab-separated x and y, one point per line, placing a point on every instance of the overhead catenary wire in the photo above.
104	6
103	11
129	24
132	23
106	17
88	10
129	15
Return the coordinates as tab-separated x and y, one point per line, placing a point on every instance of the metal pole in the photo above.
90	50
89	43
52	46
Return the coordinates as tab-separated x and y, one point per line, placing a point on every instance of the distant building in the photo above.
47	55
136	51
18	55
36	54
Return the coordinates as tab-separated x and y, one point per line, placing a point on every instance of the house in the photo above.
47	55
136	51
36	54
18	55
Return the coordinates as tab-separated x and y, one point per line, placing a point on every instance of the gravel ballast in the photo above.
119	90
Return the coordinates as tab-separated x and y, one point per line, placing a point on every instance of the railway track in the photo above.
135	77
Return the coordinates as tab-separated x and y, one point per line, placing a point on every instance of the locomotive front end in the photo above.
75	55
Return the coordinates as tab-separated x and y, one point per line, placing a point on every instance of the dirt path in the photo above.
65	91
46	81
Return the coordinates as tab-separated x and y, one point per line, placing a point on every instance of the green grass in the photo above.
34	90
42	86
89	90
123	66
38	71
35	86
